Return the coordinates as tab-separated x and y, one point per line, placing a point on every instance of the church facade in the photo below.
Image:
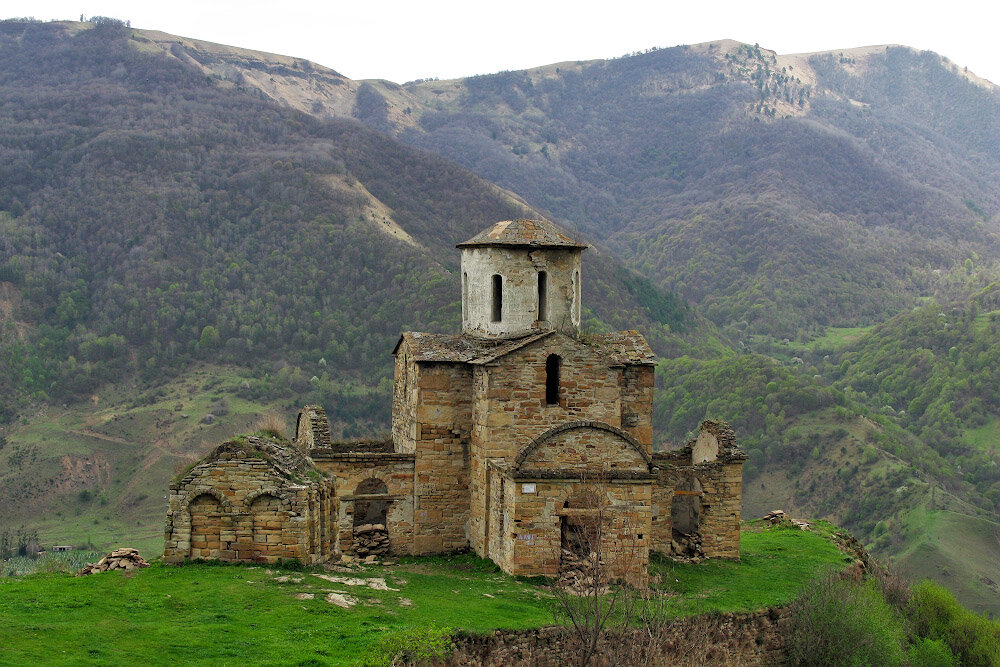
517	438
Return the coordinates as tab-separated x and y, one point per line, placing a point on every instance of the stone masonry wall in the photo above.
662	498
511	410
721	505
584	450
537	509
238	508
637	404
405	399
349	470
519	267
721	501
441	469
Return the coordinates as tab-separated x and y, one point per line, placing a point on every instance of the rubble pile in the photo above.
686	547
371	539
577	572
125	558
777	516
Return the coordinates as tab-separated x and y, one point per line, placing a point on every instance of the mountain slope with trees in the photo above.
151	217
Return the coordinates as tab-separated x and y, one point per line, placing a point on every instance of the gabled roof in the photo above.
531	233
620	348
459	348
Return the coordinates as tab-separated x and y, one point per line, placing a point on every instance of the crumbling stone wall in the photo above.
249	500
348	471
715	462
312	429
749	638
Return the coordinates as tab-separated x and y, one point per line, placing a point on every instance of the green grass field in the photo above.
835	338
228	614
985	438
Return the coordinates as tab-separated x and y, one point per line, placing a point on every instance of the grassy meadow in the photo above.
231	614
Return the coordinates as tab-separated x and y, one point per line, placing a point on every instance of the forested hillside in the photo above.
783	194
151	217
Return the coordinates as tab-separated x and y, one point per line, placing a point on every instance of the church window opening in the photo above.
576	296
543	279
497	298
465	296
552	379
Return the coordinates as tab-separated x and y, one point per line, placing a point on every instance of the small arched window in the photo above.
497	298
552	364
543	279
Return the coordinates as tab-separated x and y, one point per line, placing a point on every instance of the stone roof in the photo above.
285	459
532	233
621	348
625	347
459	348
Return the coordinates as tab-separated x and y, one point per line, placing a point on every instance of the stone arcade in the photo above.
514	437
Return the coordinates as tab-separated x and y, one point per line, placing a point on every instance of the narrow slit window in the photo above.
497	298
552	364
543	311
576	297
465	296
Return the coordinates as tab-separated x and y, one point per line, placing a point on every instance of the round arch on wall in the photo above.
202	491
571	426
371	486
269	491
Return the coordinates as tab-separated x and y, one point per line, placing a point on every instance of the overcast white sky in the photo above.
401	41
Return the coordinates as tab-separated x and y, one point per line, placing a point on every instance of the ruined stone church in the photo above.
506	439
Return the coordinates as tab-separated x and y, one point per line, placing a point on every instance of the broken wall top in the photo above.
284	460
716	443
312	428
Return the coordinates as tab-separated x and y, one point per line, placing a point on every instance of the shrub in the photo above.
411	645
839	622
930	653
271	425
937	615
